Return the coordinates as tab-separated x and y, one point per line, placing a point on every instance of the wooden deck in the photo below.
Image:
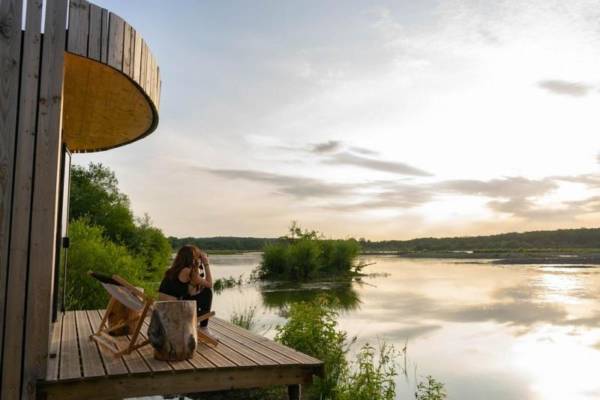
78	368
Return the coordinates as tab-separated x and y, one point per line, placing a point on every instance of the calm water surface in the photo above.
486	331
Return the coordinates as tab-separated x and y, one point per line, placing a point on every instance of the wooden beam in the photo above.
127	49
189	381
79	21
10	62
116	32
104	36
95	33
21	211
45	198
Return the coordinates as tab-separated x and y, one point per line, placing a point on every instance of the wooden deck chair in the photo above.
132	298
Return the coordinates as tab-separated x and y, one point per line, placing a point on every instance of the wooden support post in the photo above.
21	209
42	250
294	392
10	62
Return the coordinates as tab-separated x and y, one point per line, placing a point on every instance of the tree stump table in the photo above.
172	331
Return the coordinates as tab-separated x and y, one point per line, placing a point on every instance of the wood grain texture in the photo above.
70	367
255	347
137	60
79	19
116	28
54	350
10	61
236	362
181	382
21	210
241	348
90	357
127	56
45	197
95	33
113	365
284	350
104	37
143	66
102	108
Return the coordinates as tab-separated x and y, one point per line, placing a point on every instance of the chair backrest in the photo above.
121	290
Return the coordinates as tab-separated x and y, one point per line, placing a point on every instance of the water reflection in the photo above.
496	332
339	295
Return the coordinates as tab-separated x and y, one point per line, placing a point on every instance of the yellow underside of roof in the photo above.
102	107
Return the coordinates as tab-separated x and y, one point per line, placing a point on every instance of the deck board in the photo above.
54	351
242	359
113	365
279	348
256	347
90	356
69	355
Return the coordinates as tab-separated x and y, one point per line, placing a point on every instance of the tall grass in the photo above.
245	318
312	329
226	283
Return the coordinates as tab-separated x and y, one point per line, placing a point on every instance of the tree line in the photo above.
583	238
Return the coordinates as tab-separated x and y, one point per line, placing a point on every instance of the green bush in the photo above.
303	259
91	251
338	255
369	379
306	255
275	260
312	329
430	389
95	196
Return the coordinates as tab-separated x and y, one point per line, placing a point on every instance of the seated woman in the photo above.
189	278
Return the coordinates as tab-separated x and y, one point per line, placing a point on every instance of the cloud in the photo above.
296	186
591	180
511	187
364	151
346	158
566	88
412	332
401	196
326	147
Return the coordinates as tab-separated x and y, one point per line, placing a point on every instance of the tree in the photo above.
97	203
95	196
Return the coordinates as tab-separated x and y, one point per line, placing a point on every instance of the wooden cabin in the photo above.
75	77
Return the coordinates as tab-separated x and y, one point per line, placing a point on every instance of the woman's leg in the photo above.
203	303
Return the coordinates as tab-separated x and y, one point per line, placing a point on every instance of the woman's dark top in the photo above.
174	287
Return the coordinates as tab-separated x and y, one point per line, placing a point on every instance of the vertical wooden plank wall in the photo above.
31	98
45	197
21	210
79	19
30	114
10	56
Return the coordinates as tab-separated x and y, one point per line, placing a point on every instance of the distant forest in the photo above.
558	239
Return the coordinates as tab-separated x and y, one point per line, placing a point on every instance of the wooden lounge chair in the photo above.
133	299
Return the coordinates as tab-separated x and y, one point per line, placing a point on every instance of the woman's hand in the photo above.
207	274
204	258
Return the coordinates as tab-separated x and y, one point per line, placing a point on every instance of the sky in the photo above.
382	120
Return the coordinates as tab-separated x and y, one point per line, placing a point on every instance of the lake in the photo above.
486	331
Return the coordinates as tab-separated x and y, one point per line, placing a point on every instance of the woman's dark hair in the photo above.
185	258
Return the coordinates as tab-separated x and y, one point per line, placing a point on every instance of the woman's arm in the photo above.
208	275
207	281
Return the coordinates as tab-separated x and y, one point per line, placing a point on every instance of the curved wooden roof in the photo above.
111	82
